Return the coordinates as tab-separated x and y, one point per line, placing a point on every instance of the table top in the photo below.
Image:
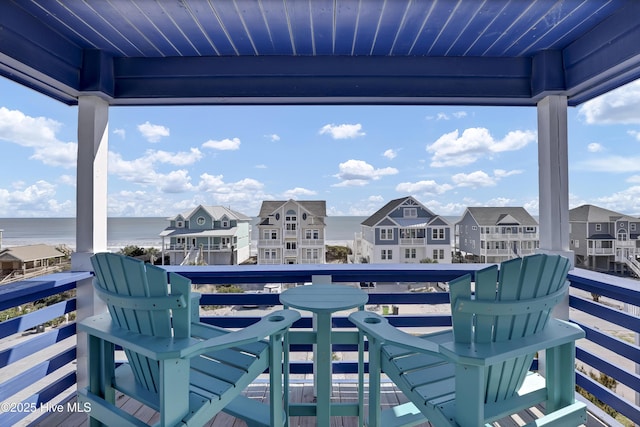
324	298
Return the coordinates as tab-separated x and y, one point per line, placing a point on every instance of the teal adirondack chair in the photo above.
186	370
478	371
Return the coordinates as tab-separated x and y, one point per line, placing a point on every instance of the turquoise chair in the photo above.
479	370
186	370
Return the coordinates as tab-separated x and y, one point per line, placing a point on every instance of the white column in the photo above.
91	209
553	188
553	176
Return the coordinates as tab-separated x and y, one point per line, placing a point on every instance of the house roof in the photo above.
216	212
495	52
492	216
317	208
384	211
30	253
591	213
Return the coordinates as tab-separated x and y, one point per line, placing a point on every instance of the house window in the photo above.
530	229
291	245
410	253
474	227
312	234
270	254
410	213
200	220
225	223
437	233
632	227
270	234
438	254
598	227
387	254
576	243
386	234
312	253
179	224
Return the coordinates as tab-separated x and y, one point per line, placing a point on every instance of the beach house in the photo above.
292	232
211	235
405	231
101	57
605	240
496	234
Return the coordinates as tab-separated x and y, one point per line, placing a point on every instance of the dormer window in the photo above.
225	223
410	212
180	224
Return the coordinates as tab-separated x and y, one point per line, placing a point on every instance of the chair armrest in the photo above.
556	333
157	348
375	326
274	323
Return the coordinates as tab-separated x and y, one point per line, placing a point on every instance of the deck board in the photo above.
301	391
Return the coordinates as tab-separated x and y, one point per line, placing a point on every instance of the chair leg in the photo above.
101	369
560	376
374	383
275	380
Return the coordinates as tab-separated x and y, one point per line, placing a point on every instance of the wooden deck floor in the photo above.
300	392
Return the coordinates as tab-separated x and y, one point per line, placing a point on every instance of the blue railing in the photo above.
614	292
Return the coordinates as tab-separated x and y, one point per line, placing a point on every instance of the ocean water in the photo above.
143	232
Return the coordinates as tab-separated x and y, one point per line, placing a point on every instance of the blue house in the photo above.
404	231
211	235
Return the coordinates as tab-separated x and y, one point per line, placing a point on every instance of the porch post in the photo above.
91	210
553	182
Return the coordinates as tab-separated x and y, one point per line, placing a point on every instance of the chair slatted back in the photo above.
140	300
512	302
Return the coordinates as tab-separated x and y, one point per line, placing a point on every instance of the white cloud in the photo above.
68	180
344	131
429	187
455	149
35	200
614	164
38	133
120	132
273	137
298	192
595	147
175	182
445	116
620	106
625	201
375	199
224	144
261	166
153	133
474	179
182	158
359	173
634	179
635	134
246	195
390	154
143	169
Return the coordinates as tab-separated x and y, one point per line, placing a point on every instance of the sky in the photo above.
167	160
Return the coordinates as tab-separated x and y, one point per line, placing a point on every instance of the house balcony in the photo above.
312	242
185	248
601	251
415	241
510	236
269	243
38	361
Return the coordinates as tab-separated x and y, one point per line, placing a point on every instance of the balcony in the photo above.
38	369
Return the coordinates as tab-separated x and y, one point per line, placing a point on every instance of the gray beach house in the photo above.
404	231
292	232
211	235
496	234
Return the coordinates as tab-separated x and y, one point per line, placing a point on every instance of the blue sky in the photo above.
165	160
